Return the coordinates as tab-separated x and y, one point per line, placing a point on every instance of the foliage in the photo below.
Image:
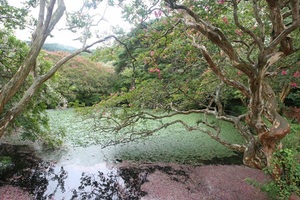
292	140
293	98
159	44
5	162
81	81
157	49
33	122
154	60
287	181
286	80
105	54
12	17
247	46
32	72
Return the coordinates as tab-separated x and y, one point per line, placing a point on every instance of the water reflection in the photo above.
83	182
56	181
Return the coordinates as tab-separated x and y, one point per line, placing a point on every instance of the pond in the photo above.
84	170
172	144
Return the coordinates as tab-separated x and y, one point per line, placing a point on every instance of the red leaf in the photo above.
152	53
296	74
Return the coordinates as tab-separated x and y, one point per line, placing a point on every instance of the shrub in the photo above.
292	140
287	179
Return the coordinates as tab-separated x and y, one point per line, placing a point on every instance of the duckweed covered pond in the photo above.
172	144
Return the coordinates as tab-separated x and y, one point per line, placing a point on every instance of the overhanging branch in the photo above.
18	107
219	73
128	134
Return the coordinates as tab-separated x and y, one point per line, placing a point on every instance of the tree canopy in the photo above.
248	50
26	73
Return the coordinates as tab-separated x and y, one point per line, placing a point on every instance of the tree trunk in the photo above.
45	24
265	127
284	92
268	127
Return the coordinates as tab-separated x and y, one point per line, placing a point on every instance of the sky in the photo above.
112	15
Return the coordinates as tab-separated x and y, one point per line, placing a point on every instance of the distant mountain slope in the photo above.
58	47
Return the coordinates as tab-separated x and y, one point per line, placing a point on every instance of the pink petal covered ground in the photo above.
9	192
221	182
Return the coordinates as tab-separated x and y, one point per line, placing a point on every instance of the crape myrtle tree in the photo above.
162	67
257	57
16	92
246	45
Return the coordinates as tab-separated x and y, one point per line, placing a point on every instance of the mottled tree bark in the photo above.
265	127
46	22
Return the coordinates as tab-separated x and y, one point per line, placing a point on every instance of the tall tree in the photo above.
50	13
267	46
254	38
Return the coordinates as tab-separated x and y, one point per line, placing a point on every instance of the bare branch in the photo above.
50	8
128	135
219	73
257	40
259	21
235	147
40	20
280	31
56	16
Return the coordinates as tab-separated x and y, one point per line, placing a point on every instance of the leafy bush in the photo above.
293	99
292	140
5	162
76	104
285	169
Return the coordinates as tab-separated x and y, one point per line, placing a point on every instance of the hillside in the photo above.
58	47
81	80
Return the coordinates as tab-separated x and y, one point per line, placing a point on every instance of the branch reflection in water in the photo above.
82	182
